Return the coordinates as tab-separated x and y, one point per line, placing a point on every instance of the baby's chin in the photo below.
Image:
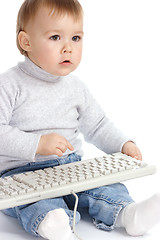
62	73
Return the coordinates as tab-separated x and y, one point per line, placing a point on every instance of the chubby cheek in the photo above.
78	56
41	50
46	58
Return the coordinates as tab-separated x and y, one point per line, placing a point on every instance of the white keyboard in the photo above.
75	177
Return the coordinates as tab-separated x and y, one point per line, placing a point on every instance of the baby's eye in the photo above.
55	37
76	38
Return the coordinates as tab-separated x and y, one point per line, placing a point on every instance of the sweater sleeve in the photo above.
97	128
14	142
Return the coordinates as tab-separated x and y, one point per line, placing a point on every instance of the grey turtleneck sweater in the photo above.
34	102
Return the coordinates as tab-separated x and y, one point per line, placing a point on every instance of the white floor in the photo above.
10	230
140	189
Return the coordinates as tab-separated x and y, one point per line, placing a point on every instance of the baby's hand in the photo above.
53	144
129	148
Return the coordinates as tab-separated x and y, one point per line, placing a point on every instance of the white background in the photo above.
120	65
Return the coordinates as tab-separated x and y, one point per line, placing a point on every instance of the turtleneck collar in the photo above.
33	70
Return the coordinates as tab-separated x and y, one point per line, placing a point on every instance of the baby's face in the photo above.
56	42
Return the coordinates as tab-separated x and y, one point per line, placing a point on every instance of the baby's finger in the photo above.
68	144
58	152
62	146
138	156
70	147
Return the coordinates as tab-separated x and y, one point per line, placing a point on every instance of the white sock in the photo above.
138	218
55	226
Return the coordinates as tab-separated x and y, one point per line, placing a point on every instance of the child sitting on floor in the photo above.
42	110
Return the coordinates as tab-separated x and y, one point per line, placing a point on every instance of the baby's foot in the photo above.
138	218
55	226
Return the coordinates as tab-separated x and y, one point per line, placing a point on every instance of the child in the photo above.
42	110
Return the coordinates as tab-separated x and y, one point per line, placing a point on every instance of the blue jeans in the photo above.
103	204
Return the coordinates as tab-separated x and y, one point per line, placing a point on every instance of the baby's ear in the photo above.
24	41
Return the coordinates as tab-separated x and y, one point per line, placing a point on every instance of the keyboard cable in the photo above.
74	216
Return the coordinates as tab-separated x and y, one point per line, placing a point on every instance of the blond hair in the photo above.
29	9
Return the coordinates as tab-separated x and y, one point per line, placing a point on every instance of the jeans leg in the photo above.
103	203
31	215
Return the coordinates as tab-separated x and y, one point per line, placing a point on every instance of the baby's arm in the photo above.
129	148
53	144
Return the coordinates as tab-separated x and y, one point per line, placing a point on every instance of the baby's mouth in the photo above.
66	62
